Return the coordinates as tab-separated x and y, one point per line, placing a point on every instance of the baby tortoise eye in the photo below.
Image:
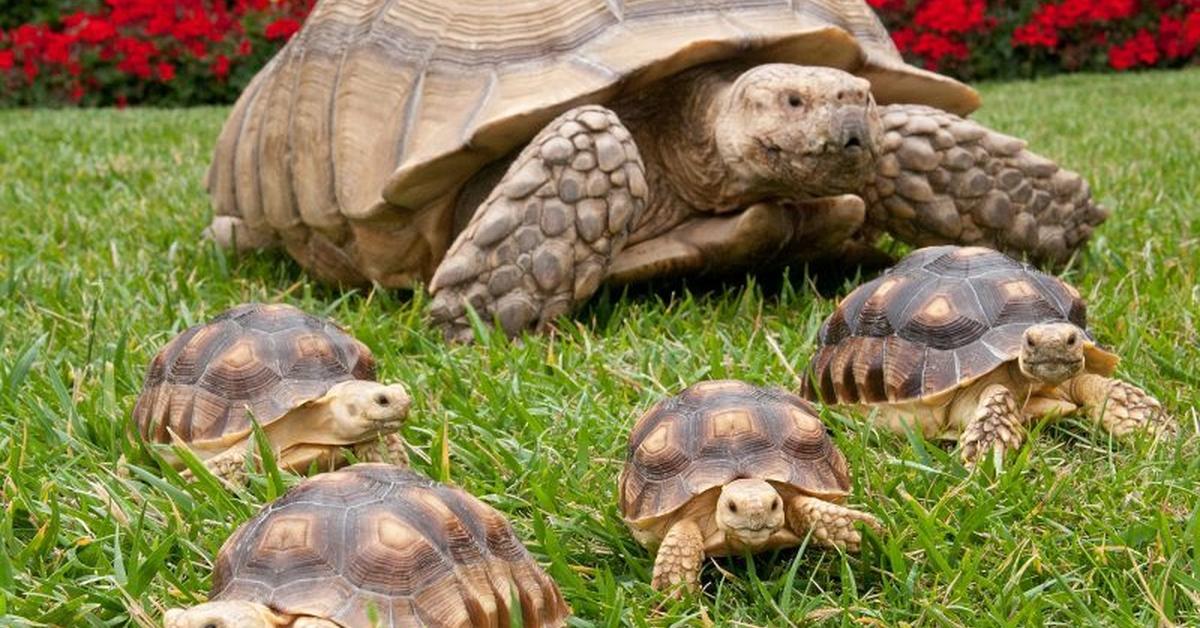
1072	339
382	400
794	100
774	505
1029	341
732	507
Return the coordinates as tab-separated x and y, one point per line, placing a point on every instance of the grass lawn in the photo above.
100	265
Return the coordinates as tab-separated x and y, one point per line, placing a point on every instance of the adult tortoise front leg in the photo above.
944	179
542	241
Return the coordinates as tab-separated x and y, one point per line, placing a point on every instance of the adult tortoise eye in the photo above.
1072	339
794	100
382	400
732	507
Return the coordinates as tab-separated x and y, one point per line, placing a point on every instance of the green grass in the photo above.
100	265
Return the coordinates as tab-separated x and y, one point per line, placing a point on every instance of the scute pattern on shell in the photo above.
376	109
718	431
254	359
376	536
943	316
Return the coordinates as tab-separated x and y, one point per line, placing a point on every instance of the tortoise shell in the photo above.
941	318
375	104
716	432
253	360
376	540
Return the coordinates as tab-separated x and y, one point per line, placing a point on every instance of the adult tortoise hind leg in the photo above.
943	179
543	240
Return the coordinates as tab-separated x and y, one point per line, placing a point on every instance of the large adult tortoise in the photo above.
966	343
375	545
516	156
725	467
309	384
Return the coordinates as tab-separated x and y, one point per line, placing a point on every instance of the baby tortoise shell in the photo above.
376	540
252	360
719	431
940	319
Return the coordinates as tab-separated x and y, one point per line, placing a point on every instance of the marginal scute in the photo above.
940	318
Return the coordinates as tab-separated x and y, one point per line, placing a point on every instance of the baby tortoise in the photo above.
309	384
967	343
375	545
726	468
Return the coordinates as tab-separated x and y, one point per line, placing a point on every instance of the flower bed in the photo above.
1003	39
144	51
169	52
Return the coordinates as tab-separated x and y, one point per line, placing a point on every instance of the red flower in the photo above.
1191	30
97	30
76	93
198	49
31	70
7	59
26	35
936	47
1137	50
57	48
904	38
245	48
951	16
283	28
1034	35
166	71
220	67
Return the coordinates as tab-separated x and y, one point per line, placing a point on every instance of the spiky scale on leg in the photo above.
1120	407
995	425
831	525
944	179
543	240
679	557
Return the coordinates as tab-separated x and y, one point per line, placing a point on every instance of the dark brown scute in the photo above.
384	537
945	315
715	432
252	360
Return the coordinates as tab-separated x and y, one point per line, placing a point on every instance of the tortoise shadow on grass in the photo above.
830	281
277	273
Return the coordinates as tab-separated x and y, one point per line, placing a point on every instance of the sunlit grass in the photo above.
100	265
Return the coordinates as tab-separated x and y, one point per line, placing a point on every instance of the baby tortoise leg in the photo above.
229	466
679	557
944	179
1119	407
832	525
760	236
542	241
996	425
387	448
